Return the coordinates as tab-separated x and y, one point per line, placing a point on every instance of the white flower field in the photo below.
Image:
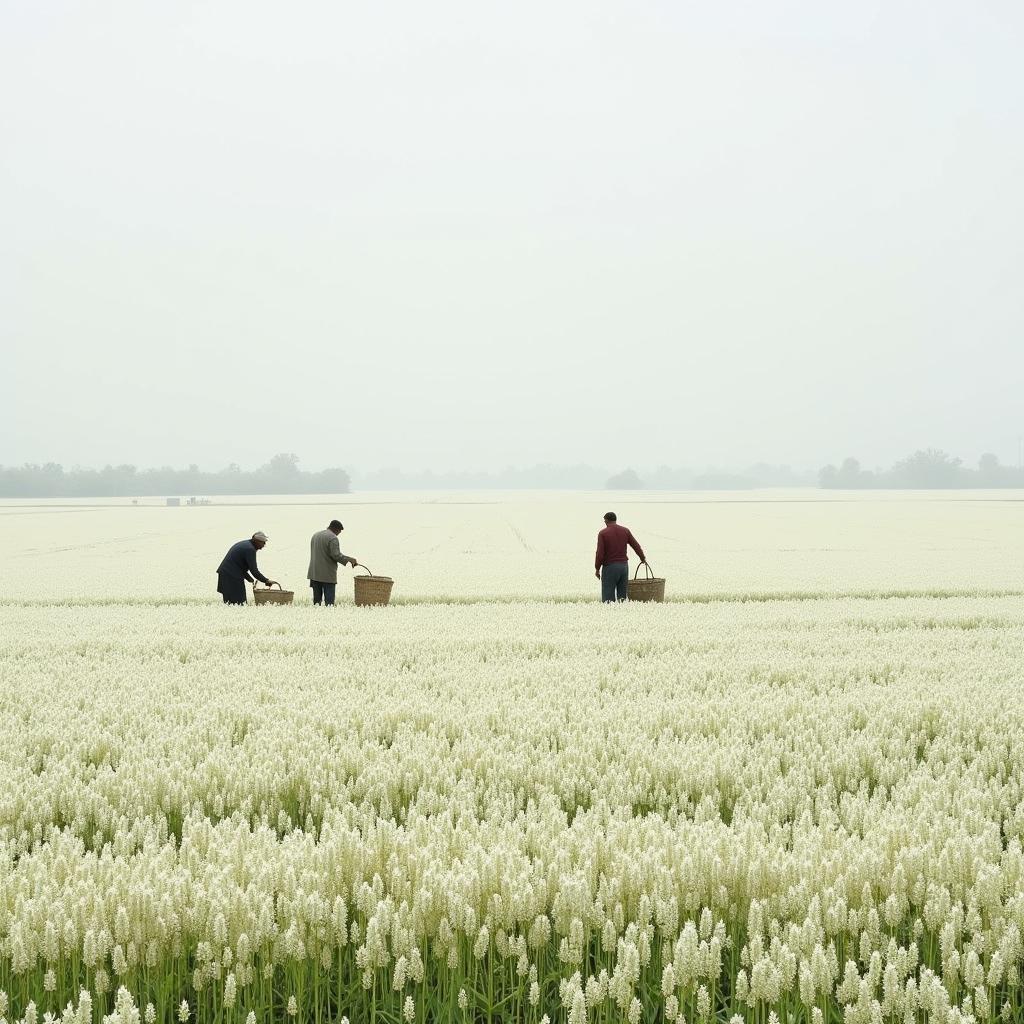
792	793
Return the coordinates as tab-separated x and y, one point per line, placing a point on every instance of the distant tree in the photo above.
848	475
990	472
329	481
928	468
627	480
851	474
284	465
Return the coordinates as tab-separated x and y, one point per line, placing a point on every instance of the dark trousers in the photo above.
323	592
231	589
614	578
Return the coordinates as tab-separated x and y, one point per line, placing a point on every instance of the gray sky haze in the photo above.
462	235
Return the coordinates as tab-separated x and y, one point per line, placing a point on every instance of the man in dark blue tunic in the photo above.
239	567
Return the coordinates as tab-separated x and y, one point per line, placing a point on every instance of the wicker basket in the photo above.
651	588
270	596
373	589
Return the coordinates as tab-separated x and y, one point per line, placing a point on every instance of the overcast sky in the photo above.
463	234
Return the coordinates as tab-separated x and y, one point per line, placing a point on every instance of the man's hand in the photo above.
273	583
597	573
352	562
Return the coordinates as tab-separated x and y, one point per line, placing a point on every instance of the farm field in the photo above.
527	544
796	790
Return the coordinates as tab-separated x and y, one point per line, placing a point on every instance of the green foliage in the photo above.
281	475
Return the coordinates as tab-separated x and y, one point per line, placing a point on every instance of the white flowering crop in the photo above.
803	810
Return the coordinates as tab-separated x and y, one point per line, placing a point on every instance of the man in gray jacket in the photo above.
324	558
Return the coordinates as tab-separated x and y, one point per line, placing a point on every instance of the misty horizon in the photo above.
693	464
928	468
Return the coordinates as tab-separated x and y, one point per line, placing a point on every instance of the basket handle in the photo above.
359	565
649	571
271	587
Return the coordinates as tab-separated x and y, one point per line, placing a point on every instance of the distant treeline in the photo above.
281	475
930	469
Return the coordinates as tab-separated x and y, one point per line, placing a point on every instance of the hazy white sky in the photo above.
464	234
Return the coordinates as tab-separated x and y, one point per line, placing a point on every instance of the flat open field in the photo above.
532	544
797	789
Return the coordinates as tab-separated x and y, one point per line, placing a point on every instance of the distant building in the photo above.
173	502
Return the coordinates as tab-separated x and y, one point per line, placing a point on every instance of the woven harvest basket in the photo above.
373	589
651	588
270	596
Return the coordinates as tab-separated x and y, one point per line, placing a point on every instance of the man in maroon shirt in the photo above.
611	564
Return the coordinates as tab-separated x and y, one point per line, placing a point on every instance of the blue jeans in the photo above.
323	592
613	581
